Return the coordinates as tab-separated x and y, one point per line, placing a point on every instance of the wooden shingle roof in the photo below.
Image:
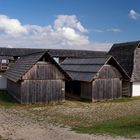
75	53
124	54
85	69
6	57
52	52
18	51
22	65
25	63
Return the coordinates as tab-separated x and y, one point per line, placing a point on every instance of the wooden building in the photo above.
36	78
8	56
96	78
128	55
59	54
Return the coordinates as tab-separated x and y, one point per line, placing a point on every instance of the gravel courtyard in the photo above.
34	122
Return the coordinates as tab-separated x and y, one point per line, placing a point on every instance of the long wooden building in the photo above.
8	56
36	78
96	78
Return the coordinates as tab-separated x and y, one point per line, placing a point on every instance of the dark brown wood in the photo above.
86	90
43	83
14	89
106	89
136	66
42	71
126	88
42	91
107	85
108	71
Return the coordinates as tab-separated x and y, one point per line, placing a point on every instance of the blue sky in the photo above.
93	23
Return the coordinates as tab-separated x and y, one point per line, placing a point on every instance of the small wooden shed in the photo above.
36	78
95	78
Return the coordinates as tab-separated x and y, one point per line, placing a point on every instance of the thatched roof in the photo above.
85	69
25	63
124	54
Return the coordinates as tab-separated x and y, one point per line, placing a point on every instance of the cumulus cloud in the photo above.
68	21
67	32
11	26
133	14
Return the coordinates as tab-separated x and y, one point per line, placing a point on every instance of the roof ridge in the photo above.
126	43
34	53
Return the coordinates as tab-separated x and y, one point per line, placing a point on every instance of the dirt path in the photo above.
15	124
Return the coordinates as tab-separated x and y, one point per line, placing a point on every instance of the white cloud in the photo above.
133	14
66	33
68	21
11	26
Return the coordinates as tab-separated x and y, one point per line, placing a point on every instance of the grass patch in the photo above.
6	100
122	99
126	126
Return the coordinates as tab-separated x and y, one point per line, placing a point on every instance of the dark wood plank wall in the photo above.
42	91
14	89
126	88
43	83
106	89
43	71
108	84
108	71
86	90
136	66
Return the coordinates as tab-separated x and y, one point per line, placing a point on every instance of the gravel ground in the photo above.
18	124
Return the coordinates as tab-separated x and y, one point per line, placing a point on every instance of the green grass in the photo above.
121	99
124	99
6	100
125	126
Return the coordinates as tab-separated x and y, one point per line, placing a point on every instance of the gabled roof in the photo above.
52	52
25	63
18	51
124	54
75	53
85	69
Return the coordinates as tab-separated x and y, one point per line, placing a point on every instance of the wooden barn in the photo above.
96	78
36	78
8	56
128	55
